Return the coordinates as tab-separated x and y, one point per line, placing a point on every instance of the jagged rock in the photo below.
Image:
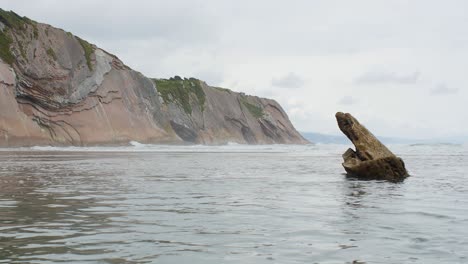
58	89
372	160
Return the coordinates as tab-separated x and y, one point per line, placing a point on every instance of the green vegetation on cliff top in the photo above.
255	110
5	53
223	89
179	91
9	20
13	21
88	50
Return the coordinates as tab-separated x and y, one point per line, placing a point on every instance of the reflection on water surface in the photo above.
234	204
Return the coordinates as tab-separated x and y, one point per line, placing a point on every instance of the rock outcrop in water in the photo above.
58	89
371	160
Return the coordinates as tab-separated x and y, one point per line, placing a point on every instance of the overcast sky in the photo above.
399	66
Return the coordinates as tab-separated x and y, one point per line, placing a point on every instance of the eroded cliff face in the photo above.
57	89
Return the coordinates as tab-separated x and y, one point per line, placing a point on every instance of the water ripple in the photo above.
230	204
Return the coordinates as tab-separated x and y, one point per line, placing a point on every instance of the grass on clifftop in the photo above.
178	90
88	50
256	111
10	20
13	21
5	53
223	89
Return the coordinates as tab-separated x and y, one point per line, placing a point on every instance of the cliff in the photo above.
58	89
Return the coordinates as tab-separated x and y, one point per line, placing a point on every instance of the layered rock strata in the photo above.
58	89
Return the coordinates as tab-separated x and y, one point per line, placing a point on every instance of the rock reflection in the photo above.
367	194
354	194
214	207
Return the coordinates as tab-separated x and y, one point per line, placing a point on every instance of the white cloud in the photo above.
214	78
348	100
331	48
291	80
379	77
442	89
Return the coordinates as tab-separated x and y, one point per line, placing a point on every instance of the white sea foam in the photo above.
135	146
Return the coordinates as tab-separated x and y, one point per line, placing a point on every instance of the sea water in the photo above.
229	204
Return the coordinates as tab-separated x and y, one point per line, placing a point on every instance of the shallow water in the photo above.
229	204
